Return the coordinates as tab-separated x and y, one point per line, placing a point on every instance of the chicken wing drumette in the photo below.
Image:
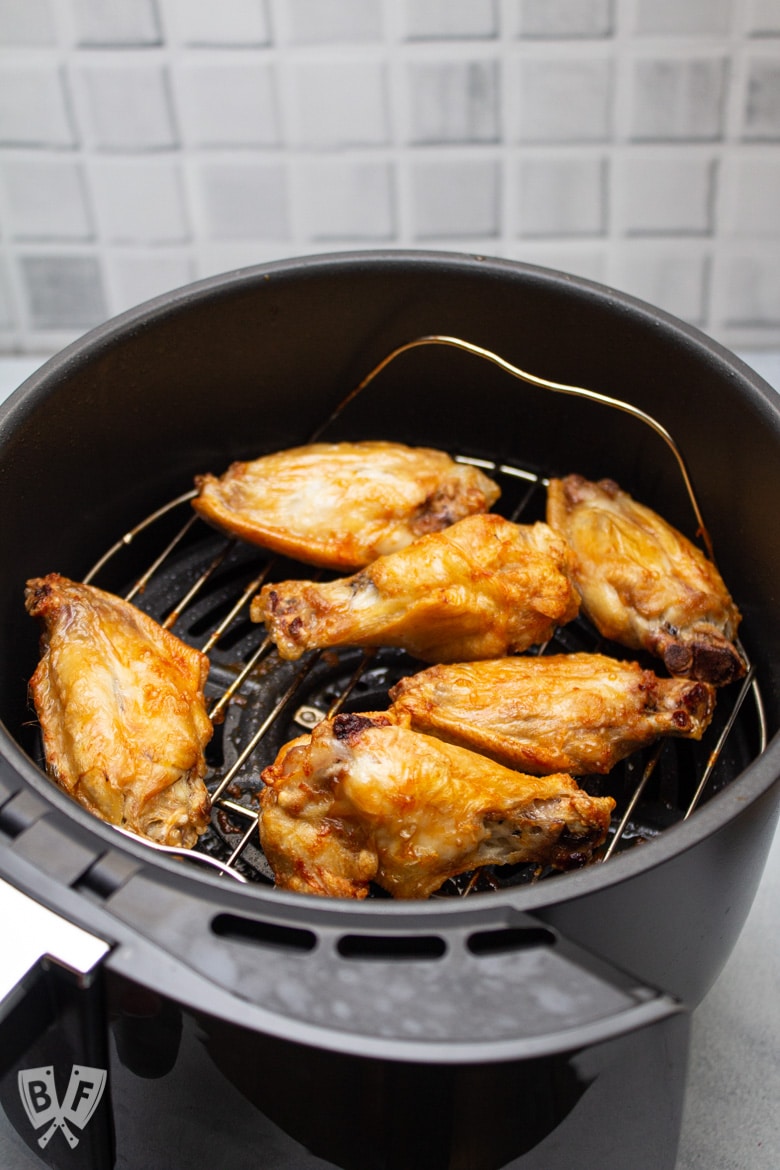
341	505
578	713
121	707
643	583
365	799
482	588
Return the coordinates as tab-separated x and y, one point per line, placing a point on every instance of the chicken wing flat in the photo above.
341	505
643	584
121	707
578	713
365	799
482	588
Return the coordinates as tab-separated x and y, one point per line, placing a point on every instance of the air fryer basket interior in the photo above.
256	361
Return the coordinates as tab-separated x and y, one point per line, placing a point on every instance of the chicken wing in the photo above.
341	505
121	707
482	588
643	584
365	799
578	713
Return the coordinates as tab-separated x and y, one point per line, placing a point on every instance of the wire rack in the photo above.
201	584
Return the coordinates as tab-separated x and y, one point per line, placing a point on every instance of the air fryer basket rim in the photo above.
753	782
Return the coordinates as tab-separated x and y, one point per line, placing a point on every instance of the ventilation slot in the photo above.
389	946
513	938
266	934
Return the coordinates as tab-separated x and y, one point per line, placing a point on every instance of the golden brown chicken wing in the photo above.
482	588
576	713
643	584
365	799
121	707
341	505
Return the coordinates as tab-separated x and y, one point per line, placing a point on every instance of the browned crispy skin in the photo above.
643	583
578	713
121	707
341	505
364	799
482	588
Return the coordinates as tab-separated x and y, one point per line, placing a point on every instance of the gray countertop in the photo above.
731	1110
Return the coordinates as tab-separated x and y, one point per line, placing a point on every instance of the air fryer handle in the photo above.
37	934
37	941
53	1054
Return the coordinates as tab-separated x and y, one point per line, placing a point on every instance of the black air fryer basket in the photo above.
160	1007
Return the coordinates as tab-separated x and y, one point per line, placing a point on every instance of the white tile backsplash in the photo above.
115	22
348	201
762	100
34	108
227	103
63	291
684	17
244	199
453	101
753	289
332	21
678	98
128	106
338	103
564	19
27	22
147	142
45	199
764	17
751	196
450	19
474	213
7	316
561	99
560	195
139	201
665	193
236	23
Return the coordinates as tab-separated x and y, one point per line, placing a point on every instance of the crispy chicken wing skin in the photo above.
578	713
366	799
643	584
482	588
341	505
121	707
